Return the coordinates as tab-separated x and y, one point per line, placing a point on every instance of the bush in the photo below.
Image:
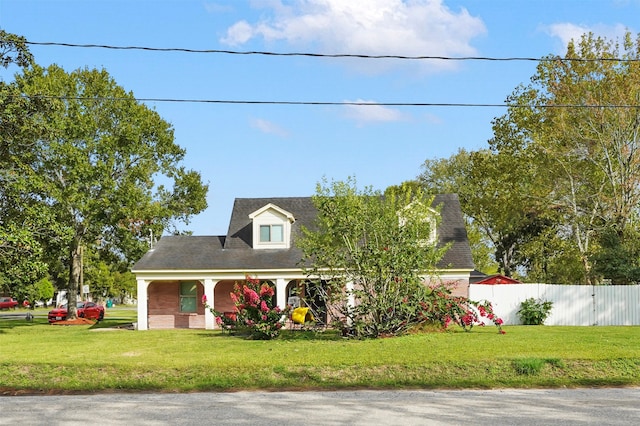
255	312
534	312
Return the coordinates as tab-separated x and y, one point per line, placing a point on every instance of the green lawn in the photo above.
42	358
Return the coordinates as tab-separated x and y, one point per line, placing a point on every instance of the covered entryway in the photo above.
175	304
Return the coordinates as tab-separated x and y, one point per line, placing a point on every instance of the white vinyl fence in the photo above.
572	304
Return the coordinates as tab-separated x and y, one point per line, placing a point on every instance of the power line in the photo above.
333	103
336	55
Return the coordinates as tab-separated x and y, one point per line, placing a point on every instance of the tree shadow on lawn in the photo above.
20	320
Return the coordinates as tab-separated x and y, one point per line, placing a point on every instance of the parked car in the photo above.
87	310
8	303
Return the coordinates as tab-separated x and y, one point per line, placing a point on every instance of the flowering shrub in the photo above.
255	310
441	307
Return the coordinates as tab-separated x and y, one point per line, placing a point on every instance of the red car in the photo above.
8	303
87	310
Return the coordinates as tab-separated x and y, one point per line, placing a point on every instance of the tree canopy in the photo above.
99	169
378	246
558	190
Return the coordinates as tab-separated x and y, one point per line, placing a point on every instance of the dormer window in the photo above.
271	234
416	211
271	227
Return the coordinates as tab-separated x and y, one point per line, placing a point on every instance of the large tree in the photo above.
497	198
578	123
377	247
23	223
107	167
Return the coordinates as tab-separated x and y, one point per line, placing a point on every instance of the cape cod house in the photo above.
173	276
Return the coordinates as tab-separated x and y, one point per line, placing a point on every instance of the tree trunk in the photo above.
75	270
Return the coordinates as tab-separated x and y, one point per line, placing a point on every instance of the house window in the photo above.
188	296
271	227
271	234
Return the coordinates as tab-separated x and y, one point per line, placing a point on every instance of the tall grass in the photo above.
38	357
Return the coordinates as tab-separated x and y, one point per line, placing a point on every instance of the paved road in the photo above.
495	407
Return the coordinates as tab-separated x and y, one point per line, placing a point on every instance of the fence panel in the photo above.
572	304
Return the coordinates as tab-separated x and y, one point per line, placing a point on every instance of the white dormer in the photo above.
416	210
271	227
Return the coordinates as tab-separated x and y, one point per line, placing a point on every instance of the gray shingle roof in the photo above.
234	252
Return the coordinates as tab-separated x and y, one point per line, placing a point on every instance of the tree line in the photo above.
555	196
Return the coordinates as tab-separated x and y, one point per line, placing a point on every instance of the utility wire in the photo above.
332	103
337	55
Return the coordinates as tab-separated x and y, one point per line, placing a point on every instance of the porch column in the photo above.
351	300
143	308
281	293
209	319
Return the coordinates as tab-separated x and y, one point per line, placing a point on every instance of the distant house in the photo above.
497	279
173	276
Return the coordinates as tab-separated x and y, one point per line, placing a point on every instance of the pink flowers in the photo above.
204	299
255	308
250	296
266	291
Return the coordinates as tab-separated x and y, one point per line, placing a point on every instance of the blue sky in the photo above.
284	150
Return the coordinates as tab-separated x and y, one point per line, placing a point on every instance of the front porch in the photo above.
177	302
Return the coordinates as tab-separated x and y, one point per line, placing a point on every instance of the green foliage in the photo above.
436	305
485	183
13	50
586	160
557	193
619	256
375	255
93	170
32	292
377	247
534	312
23	224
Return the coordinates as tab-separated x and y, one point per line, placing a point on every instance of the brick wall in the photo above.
222	300
164	307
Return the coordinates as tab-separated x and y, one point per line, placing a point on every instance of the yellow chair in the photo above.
301	315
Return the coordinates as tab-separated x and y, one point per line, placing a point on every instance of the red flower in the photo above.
266	291
204	299
498	321
264	307
503	332
250	296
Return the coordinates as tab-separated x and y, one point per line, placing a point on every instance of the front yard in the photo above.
40	358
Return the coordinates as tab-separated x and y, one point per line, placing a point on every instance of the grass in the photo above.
40	358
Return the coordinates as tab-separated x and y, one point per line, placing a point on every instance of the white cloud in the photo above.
566	31
372	113
269	127
371	27
238	33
